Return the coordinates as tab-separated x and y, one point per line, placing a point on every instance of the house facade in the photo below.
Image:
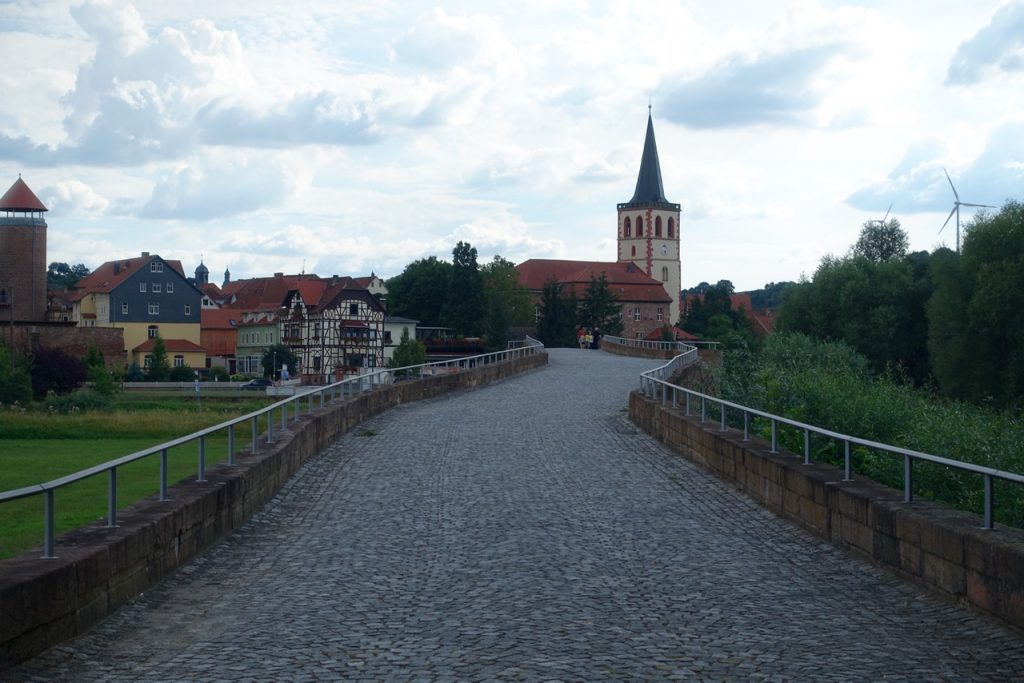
145	296
340	333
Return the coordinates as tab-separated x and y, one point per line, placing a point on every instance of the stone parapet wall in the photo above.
943	549
636	351
43	602
74	341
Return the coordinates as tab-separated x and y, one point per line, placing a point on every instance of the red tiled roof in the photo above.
680	335
20	198
172	346
105	279
219	318
211	290
626	281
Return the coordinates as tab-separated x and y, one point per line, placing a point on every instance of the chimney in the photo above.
278	274
145	253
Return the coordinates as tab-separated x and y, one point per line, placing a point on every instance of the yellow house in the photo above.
146	297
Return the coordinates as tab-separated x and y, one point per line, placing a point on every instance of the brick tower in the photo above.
22	254
649	226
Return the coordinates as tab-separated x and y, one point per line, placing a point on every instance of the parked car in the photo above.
258	384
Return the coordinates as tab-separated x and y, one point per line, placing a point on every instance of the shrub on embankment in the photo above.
830	385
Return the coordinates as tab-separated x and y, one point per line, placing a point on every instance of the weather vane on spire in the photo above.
648	106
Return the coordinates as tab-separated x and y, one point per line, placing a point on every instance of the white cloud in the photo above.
70	197
215	188
918	183
998	47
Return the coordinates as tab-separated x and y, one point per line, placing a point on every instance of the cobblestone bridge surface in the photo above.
527	531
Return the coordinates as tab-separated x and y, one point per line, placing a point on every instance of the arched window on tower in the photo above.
657	226
664	273
633	250
639	226
671	227
627	229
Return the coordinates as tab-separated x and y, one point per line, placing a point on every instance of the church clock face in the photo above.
664	250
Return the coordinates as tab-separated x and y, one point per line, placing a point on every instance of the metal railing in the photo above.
681	347
655	384
281	411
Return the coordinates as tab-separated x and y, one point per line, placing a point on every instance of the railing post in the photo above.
703	409
231	444
908	489
775	436
664	394
322	399
163	474
675	398
112	497
687	404
847	465
284	416
746	426
807	446
255	426
988	502
722	427
270	426
202	459
48	525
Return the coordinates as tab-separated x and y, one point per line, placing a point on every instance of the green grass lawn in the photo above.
36	447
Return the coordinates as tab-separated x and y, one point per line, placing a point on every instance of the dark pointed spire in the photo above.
649	188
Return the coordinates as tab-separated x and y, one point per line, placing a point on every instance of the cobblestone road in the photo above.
527	531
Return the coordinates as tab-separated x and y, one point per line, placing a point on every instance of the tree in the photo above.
15	380
599	309
63	276
881	241
101	379
463	309
420	291
975	322
408	352
55	371
159	367
277	356
557	325
501	277
496	325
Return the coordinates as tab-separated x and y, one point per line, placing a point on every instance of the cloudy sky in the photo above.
349	137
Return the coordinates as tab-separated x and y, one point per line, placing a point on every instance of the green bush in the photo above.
181	373
829	385
218	374
79	400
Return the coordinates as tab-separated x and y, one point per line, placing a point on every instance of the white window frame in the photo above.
142	286
170	288
636	313
157	288
661	314
154	309
156	267
124	308
188	309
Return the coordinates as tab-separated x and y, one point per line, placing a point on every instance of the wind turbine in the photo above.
956	209
881	223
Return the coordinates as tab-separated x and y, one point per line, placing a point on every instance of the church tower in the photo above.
649	226
22	255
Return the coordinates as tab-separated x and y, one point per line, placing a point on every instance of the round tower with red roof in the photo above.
22	255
